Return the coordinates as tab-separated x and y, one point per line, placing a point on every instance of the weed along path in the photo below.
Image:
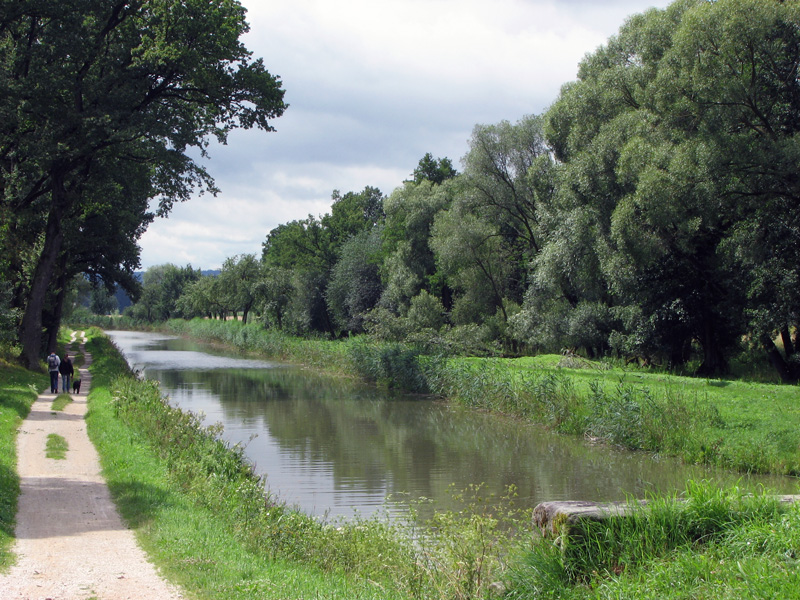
71	542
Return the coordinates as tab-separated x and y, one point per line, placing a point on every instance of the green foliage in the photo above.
393	365
435	170
355	285
425	312
409	264
239	283
659	202
101	106
8	320
163	286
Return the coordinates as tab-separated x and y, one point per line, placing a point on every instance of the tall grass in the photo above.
253	338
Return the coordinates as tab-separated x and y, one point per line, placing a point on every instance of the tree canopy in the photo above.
92	86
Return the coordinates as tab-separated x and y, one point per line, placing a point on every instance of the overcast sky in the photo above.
372	86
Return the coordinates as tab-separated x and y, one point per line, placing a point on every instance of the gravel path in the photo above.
71	542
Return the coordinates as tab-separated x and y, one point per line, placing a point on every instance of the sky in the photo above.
372	86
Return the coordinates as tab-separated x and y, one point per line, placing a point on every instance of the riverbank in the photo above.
70	539
741	426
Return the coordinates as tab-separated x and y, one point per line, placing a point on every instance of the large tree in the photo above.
146	81
677	184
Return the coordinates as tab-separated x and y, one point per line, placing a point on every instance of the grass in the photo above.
61	401
714	544
742	426
56	447
18	390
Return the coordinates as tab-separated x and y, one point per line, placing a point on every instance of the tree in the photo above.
409	264
471	254
355	284
144	81
239	279
163	286
203	297
275	291
314	246
497	169
435	170
730	84
676	203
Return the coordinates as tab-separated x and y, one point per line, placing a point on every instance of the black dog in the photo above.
76	386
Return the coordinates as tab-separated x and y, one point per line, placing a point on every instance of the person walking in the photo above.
66	370
53	363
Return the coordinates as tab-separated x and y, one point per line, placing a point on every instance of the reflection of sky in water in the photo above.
152	351
328	445
191	360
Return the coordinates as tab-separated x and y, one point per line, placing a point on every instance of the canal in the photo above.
333	447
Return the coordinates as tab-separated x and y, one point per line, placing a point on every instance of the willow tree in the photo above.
676	216
144	81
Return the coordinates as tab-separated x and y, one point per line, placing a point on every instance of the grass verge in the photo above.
61	401
18	390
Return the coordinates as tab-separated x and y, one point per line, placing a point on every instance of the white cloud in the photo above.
372	87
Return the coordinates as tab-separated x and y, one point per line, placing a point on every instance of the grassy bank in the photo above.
200	511
18	391
737	425
740	426
715	544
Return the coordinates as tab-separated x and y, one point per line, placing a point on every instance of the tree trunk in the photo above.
786	338
714	362
31	328
58	309
776	359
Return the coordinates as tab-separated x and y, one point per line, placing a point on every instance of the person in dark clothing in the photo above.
53	363
66	370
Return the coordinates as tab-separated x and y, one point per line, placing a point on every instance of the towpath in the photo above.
71	542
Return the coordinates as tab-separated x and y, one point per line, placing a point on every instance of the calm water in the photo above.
333	447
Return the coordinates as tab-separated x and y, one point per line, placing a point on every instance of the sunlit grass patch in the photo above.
56	447
708	543
61	401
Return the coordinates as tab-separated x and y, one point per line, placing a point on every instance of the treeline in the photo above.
651	213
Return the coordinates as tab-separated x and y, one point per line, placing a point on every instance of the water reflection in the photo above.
329	445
